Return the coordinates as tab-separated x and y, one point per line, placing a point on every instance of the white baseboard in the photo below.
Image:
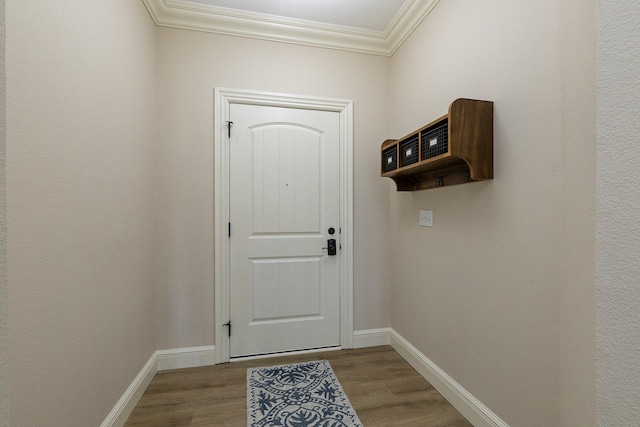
468	405
160	360
189	357
371	337
123	408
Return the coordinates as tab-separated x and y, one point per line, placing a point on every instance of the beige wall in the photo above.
4	401
191	65
499	293
80	206
576	290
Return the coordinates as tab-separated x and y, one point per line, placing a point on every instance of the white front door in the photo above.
283	206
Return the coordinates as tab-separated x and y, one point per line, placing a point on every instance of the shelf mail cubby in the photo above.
454	149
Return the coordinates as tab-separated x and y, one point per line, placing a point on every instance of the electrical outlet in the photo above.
426	218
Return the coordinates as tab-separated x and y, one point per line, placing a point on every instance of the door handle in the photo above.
331	247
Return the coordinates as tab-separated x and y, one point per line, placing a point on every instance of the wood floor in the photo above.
383	389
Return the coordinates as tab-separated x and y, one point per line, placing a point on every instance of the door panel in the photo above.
286	179
284	196
285	288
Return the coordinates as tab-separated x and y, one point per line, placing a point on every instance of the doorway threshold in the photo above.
284	353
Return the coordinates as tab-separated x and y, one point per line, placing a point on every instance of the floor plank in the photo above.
383	388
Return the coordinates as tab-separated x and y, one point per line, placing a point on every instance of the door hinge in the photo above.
229	229
229	123
229	325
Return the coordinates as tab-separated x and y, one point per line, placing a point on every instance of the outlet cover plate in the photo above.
426	218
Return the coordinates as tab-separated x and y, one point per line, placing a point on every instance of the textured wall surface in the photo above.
80	206
190	65
482	293
618	207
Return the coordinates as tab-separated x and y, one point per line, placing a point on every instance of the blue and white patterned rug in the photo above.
300	395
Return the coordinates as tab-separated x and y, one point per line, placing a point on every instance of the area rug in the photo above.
300	395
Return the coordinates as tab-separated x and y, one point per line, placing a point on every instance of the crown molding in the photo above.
406	21
188	15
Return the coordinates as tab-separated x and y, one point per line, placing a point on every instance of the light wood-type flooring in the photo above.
382	387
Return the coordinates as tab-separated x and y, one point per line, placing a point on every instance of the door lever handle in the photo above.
331	247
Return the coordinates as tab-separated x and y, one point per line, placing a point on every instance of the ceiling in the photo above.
369	26
350	13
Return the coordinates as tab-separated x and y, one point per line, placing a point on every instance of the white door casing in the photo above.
224	100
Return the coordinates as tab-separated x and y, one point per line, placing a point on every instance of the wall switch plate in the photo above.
426	218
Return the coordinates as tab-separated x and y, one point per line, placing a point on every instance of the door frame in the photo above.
223	98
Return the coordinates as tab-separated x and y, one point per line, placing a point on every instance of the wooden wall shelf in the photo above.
454	149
